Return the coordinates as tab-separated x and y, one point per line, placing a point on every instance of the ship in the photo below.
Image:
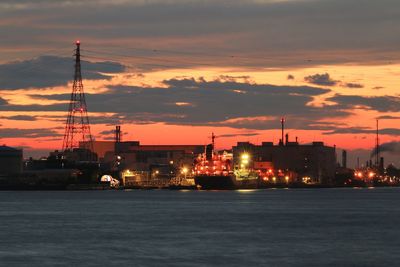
215	171
212	171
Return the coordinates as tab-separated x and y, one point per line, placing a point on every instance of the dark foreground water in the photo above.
297	227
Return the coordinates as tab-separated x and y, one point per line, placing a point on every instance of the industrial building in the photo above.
132	155
314	162
10	160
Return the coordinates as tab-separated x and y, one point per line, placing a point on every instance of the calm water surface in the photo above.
302	227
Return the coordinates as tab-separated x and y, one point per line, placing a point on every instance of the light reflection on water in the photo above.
246	191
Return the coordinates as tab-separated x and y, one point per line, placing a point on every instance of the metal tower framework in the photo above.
77	127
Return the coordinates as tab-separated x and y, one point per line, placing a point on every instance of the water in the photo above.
296	227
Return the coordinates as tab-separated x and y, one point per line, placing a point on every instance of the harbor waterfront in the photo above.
294	227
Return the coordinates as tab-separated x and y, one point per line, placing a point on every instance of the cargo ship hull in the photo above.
215	182
224	182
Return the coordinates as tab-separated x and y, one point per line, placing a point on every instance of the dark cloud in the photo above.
390	147
267	33
378	103
378	87
192	101
20	118
3	101
292	122
230	78
48	71
107	132
290	77
363	130
353	85
27	133
321	79
237	135
388	117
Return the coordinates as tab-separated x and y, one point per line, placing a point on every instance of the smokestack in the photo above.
377	143
283	128
296	139
287	139
344	159
117	139
381	166
117	134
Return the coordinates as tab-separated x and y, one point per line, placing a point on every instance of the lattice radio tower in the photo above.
77	128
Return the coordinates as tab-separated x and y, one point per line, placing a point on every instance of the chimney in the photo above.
117	134
283	129
381	166
117	139
287	139
344	159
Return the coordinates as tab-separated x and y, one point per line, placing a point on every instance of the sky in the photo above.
173	71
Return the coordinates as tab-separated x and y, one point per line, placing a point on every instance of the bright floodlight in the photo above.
184	170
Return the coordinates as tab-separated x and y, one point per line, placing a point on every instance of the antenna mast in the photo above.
77	128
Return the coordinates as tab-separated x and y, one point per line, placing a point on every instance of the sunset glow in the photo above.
232	74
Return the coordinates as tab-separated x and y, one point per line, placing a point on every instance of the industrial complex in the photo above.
83	163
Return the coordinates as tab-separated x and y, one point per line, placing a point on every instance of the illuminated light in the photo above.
245	156
287	178
274	179
183	104
269	171
184	170
106	178
78	42
118	157
265	178
171	162
157	172
201	168
371	174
